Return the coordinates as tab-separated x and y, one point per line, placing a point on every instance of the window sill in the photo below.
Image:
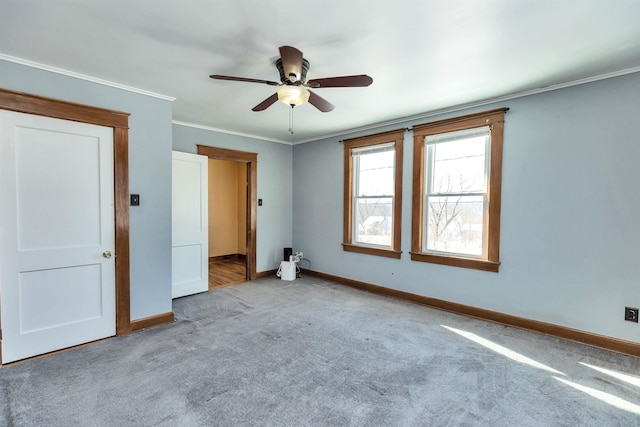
370	250
476	264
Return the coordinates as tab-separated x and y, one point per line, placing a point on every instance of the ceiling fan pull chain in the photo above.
291	119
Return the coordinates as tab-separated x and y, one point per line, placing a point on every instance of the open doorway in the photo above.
227	222
232	208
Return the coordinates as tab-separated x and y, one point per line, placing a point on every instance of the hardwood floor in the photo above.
226	272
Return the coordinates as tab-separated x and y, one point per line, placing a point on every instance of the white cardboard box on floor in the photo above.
287	270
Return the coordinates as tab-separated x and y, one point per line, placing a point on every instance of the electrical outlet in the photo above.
299	255
631	314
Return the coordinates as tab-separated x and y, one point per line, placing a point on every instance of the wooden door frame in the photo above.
251	160
41	106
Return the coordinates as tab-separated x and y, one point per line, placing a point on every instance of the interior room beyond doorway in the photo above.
227	222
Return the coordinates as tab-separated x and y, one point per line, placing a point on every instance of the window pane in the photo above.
373	221
458	166
455	224
375	174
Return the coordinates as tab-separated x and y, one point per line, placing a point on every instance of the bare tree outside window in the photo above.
456	193
456	184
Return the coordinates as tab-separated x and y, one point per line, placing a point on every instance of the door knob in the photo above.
106	254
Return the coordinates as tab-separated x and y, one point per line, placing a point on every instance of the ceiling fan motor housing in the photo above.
287	79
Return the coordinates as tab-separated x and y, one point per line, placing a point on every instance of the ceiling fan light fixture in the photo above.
293	95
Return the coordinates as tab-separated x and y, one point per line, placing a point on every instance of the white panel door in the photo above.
190	224
57	277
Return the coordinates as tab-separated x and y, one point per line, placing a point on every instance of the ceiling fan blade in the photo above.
320	103
360	80
266	103
243	79
291	63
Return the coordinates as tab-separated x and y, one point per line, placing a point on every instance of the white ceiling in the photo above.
423	55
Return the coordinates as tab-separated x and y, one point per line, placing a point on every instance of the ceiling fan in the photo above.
293	87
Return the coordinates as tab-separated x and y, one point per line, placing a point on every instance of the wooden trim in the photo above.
495	189
151	321
347	197
370	250
227	257
266	273
396	136
397	193
454	261
33	104
252	217
601	341
468	121
378	138
495	120
41	106
251	159
417	196
226	154
121	200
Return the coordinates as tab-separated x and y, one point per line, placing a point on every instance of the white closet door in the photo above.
190	224
57	269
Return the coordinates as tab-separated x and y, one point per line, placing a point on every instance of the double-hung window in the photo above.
457	180
373	194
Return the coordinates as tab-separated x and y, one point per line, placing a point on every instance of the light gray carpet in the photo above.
312	353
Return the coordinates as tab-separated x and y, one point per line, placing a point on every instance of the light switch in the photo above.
135	200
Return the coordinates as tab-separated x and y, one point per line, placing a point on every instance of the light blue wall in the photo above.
570	230
274	217
570	235
149	173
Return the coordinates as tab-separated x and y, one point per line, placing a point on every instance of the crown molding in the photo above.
83	77
228	132
515	95
343	133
